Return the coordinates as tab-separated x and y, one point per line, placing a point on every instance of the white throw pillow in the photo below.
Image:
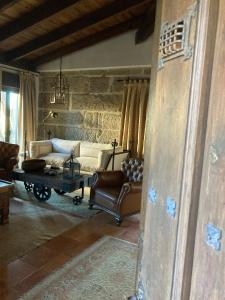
92	149
66	146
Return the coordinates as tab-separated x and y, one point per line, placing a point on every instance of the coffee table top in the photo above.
5	185
53	181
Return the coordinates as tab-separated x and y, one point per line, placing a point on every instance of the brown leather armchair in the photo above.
8	159
118	192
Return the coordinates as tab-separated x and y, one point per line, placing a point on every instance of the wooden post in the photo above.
25	145
114	144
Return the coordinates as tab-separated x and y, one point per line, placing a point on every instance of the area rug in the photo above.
29	227
62	203
106	270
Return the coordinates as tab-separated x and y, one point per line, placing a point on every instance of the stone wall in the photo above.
94	109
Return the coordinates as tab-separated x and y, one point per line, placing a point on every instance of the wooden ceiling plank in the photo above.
100	36
73	27
4	4
38	14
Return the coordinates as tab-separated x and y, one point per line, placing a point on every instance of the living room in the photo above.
78	108
112	149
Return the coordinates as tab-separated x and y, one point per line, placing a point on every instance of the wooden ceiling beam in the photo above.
79	24
100	36
38	14
147	27
4	4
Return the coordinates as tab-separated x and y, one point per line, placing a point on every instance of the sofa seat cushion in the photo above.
55	159
88	164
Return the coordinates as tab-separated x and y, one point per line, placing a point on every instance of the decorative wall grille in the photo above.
174	38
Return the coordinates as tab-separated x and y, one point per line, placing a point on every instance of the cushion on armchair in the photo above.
133	169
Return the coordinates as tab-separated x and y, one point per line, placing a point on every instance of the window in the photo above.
9	108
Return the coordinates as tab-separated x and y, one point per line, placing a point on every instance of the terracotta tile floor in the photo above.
22	274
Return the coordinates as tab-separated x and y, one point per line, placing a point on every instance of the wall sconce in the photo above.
52	115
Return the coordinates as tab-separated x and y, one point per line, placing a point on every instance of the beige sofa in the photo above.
91	156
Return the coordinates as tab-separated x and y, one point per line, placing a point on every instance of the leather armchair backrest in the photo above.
8	150
133	169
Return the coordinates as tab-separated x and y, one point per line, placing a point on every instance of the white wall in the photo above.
116	52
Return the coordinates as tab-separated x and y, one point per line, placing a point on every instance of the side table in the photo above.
5	194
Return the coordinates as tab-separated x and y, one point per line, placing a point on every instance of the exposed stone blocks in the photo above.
93	112
101	102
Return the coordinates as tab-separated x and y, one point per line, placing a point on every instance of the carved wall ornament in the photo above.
174	38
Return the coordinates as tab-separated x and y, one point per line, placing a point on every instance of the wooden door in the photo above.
208	278
167	125
175	139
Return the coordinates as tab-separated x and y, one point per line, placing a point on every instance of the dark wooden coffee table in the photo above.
5	194
41	184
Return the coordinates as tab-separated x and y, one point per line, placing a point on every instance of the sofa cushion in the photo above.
66	146
92	149
55	159
45	148
88	164
40	148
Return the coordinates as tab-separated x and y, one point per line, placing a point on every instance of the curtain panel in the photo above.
27	108
133	118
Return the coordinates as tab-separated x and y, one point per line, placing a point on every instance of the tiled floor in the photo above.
20	275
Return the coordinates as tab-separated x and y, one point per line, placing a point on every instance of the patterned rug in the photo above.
106	270
29	227
63	203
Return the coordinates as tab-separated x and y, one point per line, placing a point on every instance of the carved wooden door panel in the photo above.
208	277
166	138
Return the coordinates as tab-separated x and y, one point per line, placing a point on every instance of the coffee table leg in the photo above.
78	199
5	215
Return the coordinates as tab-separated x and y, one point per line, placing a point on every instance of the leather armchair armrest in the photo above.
10	163
108	179
131	187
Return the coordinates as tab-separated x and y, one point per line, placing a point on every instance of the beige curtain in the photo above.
27	108
134	116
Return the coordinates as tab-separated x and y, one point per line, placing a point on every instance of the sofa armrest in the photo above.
103	158
40	148
108	179
118	158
